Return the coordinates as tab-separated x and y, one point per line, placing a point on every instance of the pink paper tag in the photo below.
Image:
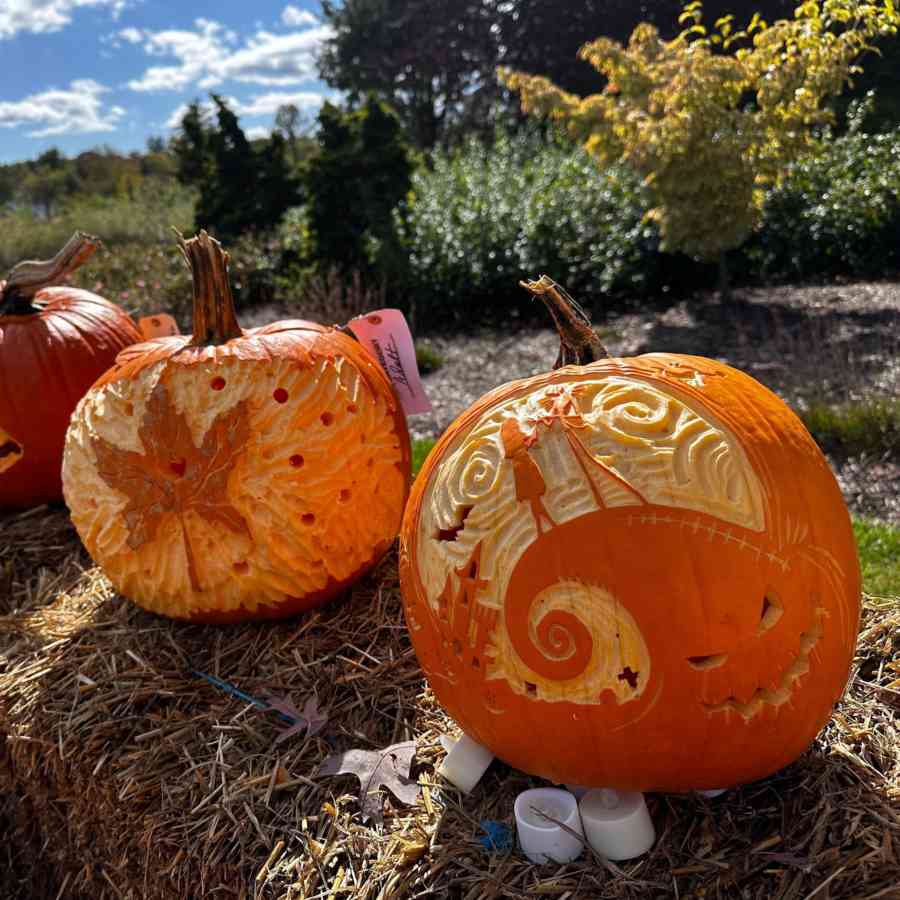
385	334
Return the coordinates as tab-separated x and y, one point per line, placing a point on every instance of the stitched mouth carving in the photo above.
787	682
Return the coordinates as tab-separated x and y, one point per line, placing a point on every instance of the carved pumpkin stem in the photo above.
30	276
579	344
215	321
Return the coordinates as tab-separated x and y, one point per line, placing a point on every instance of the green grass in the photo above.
420	449
879	557
427	358
850	429
145	218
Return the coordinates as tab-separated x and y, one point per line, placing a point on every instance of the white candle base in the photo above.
715	792
616	823
578	790
466	761
540	839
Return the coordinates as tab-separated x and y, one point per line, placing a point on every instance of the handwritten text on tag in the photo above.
385	334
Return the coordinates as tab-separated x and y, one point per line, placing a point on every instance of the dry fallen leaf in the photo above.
173	475
375	769
310	720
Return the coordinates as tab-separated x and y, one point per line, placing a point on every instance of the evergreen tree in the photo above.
361	172
192	146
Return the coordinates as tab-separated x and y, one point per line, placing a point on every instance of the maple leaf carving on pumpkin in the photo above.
173	475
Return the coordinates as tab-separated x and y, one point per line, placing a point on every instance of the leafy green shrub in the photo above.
872	427
486	216
838	212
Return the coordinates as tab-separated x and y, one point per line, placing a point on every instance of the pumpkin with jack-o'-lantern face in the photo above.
637	573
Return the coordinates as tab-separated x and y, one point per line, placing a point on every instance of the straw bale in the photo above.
124	775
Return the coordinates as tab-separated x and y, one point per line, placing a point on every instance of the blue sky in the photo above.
81	73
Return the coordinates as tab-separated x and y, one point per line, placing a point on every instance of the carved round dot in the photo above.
296	461
155	322
344	495
307	518
242	567
327	418
352	408
178	466
217	383
280	395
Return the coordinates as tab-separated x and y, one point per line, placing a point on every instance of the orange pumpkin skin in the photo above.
48	360
235	475
638	573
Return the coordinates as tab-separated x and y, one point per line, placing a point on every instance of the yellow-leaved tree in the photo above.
713	118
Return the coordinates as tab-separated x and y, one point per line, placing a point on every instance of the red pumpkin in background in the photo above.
54	344
634	573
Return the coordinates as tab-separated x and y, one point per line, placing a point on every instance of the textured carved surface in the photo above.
234	485
175	476
635	555
567	451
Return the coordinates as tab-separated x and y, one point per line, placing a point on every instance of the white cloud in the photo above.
174	120
40	16
195	51
292	17
267	104
260	105
203	57
257	131
132	35
78	110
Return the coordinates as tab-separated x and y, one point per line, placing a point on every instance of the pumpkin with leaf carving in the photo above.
637	573
236	474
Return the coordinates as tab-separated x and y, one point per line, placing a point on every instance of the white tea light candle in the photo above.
466	761
616	823
540	838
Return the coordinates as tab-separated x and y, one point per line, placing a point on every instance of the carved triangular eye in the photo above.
772	611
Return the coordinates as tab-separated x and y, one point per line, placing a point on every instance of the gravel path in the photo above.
835	343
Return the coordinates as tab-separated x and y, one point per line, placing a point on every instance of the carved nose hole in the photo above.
772	611
701	663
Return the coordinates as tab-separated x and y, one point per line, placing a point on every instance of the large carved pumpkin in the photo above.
237	474
54	343
636	573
